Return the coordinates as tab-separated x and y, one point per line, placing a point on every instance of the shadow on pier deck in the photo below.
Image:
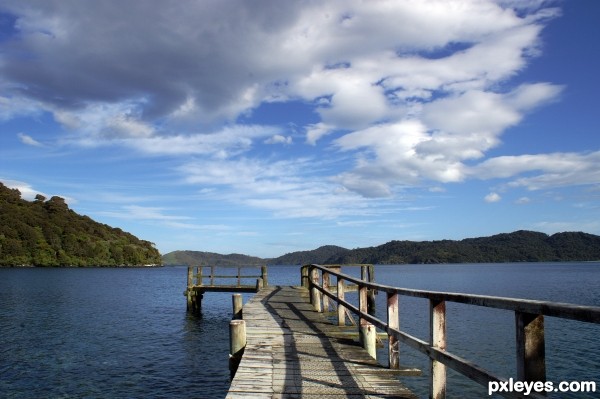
292	352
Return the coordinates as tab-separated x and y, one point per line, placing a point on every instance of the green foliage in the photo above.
520	246
48	233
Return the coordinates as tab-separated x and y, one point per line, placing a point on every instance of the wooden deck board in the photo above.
294	352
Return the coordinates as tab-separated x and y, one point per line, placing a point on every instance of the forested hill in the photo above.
48	233
519	246
210	259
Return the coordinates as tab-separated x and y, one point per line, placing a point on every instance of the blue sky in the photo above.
270	127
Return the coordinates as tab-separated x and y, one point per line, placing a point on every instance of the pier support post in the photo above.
265	276
237	343
316	296
394	322
367	332
531	351
326	284
237	302
190	283
368	337
437	323
341	294
304	276
367	273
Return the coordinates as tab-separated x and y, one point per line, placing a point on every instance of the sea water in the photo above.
125	333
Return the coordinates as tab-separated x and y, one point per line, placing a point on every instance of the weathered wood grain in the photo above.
294	352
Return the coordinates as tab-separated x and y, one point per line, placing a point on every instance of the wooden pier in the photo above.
215	282
294	352
284	347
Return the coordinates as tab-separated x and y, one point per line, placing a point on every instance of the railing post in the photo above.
531	351
316	294
367	332
265	275
199	277
437	318
237	303
212	275
341	294
304	276
371	292
326	283
239	276
393	322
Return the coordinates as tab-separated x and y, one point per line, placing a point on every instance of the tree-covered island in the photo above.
48	233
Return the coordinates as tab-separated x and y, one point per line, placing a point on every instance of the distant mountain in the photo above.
319	255
48	233
210	259
519	246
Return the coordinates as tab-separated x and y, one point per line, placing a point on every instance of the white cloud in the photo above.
317	131
28	140
416	93
279	139
280	187
492	197
543	171
523	200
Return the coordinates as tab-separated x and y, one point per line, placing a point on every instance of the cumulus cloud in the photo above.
278	139
492	197
410	93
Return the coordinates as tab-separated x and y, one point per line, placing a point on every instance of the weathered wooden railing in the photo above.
529	323
196	286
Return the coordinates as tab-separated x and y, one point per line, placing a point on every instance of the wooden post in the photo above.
368	337
393	322
212	275
190	283
531	351
362	306
199	277
365	275
316	297
437	323
259	284
371	292
237	343
265	275
304	276
239	276
326	282
237	302
341	293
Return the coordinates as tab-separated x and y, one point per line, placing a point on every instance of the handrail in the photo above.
529	321
200	276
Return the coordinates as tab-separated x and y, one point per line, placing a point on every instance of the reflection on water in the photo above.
87	333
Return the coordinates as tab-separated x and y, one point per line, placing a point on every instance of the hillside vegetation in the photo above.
519	246
48	233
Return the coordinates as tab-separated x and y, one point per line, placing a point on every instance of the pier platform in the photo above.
292	351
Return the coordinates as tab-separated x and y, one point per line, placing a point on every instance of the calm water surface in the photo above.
125	333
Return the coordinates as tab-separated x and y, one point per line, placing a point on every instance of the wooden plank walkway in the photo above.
292	352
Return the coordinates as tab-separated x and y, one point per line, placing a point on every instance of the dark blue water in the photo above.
125	333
